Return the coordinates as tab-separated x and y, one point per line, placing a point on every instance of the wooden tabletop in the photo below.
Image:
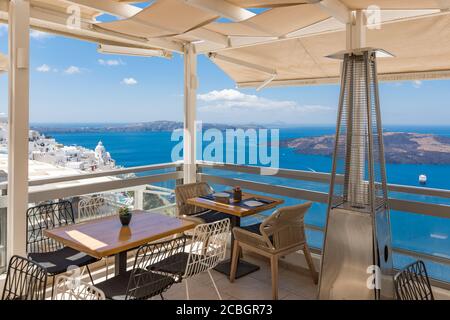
104	237
235	209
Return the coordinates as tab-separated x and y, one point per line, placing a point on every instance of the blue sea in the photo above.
410	231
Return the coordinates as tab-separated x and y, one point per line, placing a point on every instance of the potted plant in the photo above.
125	215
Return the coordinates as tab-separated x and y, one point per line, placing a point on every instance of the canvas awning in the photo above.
161	19
421	48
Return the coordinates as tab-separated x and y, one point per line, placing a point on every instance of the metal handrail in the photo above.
317	177
430	209
50	192
98	174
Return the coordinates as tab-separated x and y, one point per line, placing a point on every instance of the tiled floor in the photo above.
255	286
293	285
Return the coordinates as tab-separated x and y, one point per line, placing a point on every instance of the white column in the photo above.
356	31
190	113
19	33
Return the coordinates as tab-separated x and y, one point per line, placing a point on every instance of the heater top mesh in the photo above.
359	177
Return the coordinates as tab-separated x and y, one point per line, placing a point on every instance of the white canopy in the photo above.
421	48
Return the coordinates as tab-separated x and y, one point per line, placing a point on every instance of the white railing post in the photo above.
139	198
190	100
19	33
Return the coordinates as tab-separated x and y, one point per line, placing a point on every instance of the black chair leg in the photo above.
53	287
90	276
162	297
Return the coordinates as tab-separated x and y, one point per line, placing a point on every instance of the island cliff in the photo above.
400	147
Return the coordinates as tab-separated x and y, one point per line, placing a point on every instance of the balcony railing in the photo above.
294	185
434	205
142	179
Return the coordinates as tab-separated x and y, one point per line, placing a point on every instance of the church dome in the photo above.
100	149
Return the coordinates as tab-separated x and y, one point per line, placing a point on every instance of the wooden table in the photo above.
236	213
105	237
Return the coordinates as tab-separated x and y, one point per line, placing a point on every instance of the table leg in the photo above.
244	268
120	266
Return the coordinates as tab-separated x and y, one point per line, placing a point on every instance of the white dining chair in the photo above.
204	250
73	288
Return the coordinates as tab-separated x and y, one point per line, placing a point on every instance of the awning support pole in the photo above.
19	33
190	114
356	30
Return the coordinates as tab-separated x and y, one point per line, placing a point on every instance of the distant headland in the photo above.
400	147
153	126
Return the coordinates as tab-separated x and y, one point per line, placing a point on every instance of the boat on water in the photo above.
422	179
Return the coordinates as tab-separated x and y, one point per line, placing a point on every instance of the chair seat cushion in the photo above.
145	285
255	228
58	261
212	216
175	264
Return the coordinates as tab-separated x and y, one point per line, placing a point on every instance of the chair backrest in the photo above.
412	283
90	208
285	228
187	191
145	281
25	280
72	288
207	247
45	217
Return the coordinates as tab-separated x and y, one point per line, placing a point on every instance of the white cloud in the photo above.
110	62
230	99
39	35
129	81
417	84
72	70
43	68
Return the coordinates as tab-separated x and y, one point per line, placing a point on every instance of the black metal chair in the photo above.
140	283
49	253
25	280
412	283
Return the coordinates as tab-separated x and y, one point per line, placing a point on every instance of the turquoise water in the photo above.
141	148
410	231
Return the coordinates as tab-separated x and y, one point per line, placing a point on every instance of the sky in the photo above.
70	82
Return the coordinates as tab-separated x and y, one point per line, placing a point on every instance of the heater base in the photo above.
349	260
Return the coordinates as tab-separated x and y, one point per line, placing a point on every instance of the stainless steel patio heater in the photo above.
357	256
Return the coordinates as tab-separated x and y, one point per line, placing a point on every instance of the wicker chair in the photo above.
141	283
193	213
69	288
278	235
412	283
25	280
207	248
49	253
90	208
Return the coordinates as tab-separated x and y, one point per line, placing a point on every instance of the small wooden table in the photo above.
236	213
105	237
